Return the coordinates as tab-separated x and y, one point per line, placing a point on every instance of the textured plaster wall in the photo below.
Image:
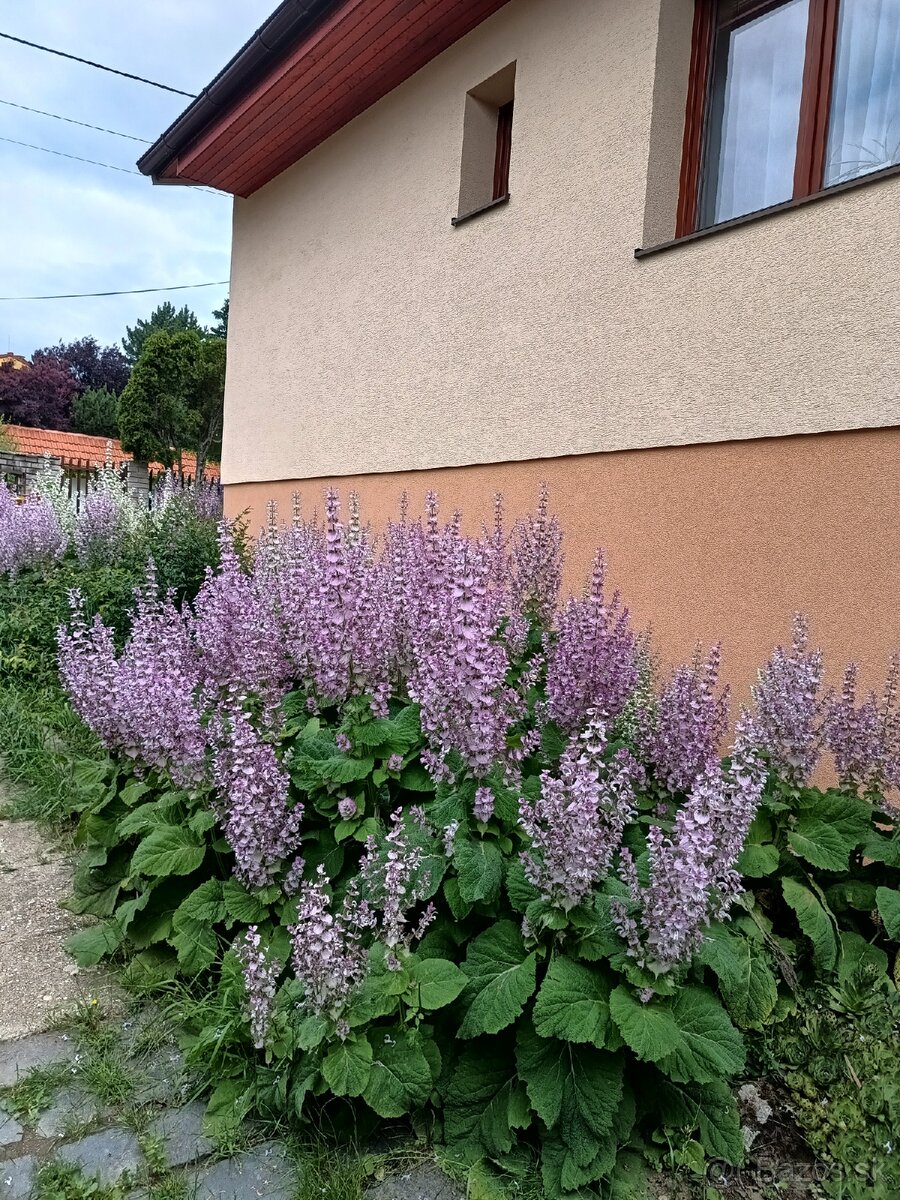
369	335
708	541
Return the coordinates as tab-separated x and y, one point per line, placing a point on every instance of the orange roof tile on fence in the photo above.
82	447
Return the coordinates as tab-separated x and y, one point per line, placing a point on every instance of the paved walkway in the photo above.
37	977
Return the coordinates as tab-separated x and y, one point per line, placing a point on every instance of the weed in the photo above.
65	1181
33	1093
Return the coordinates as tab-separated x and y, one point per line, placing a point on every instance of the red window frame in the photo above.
815	100
504	150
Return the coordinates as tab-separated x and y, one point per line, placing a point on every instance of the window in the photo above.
487	144
787	98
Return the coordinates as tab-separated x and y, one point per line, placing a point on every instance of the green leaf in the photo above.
708	1107
851	893
132	792
649	1029
142	819
501	978
576	1084
169	850
573	1004
815	922
710	1048
459	908
415	778
479	866
483	1101
888	901
521	893
196	944
483	1184
347	1067
757	861
401	1078
436	983
882	849
691	1039
339	768
88	946
394	735
228	1105
203	821
829	828
311	1032
242	905
748	986
203	904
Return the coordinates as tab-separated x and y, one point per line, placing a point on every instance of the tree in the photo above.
40	395
6	442
90	364
94	411
220	329
173	401
164	319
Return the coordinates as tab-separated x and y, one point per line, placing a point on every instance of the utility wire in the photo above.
93	162
197	187
84	124
180	287
100	67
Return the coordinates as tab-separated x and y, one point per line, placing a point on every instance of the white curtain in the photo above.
864	132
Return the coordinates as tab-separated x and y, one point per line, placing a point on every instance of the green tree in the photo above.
173	401
6	442
220	329
94	411
164	319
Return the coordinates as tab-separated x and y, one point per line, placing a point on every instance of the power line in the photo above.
180	287
197	187
84	124
93	162
100	67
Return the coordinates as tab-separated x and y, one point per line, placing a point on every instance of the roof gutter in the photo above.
291	21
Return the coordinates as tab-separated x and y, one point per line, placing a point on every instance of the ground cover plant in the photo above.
420	841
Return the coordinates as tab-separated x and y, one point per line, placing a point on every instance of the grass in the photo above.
42	741
65	1181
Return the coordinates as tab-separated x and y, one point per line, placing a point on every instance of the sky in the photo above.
66	226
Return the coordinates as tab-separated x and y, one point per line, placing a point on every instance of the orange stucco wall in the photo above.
707	541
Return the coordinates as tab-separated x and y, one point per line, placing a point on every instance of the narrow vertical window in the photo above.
504	150
487	144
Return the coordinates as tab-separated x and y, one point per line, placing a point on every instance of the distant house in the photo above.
16	361
435	285
78	455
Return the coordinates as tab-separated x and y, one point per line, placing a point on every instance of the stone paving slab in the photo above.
19	1057
181	1133
17	1178
264	1172
10	1129
423	1182
71	1107
107	1155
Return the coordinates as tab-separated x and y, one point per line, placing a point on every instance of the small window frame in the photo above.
815	102
503	154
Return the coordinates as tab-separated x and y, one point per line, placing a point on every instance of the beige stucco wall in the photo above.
712	541
368	335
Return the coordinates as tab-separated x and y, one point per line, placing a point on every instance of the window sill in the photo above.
476	212
788	206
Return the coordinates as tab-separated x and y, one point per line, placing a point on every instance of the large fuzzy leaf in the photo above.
205	903
88	946
691	1038
479	866
708	1107
484	1101
573	1004
196	944
436	982
394	735
815	922
748	985
576	1085
829	828
401	1077
348	1066
242	905
501	978
888	901
169	850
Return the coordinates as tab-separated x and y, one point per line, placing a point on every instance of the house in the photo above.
645	250
14	361
78	455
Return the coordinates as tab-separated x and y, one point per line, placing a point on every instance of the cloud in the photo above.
70	227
